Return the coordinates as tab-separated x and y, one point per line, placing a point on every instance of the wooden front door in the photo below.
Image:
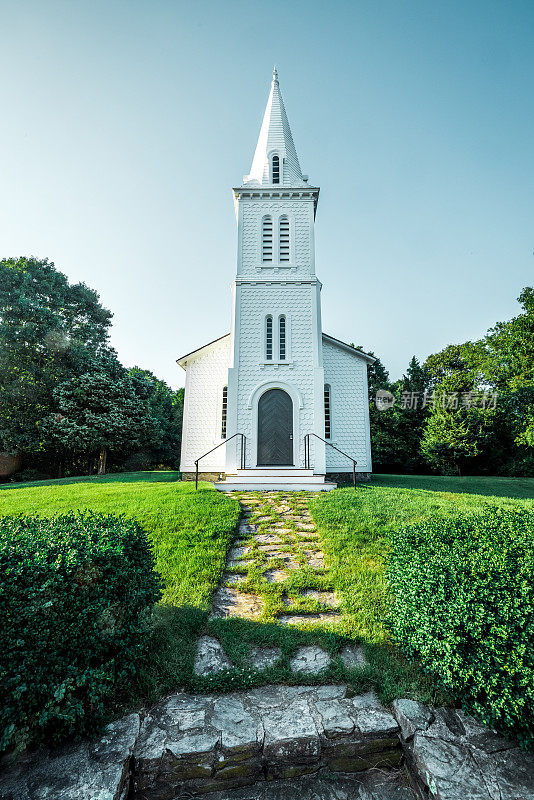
275	429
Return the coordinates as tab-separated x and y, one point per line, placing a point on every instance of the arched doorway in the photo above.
275	429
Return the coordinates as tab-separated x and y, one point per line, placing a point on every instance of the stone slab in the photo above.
310	660
210	657
229	602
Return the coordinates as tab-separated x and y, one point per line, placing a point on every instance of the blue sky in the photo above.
125	125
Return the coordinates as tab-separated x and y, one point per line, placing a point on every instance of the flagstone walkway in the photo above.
276	573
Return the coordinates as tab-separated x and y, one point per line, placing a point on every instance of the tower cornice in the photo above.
277	193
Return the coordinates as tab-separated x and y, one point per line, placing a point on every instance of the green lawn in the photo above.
190	533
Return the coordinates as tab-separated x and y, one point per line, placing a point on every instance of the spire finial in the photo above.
275	74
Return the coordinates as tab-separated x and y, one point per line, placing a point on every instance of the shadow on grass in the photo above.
167	661
386	672
519	488
156	476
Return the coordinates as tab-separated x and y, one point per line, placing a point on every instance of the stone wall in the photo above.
191	745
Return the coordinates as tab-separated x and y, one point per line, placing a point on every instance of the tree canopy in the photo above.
64	396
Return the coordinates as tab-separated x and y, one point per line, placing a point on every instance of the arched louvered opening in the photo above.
275	169
269	339
282	338
283	239
327	413
267	239
224	411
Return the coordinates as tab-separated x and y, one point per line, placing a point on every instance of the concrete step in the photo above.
282	485
278	478
268	472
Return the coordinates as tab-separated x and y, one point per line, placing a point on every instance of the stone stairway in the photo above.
280	743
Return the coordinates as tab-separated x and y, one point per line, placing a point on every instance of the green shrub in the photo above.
74	590
463	604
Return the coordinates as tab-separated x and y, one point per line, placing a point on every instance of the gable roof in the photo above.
349	348
182	361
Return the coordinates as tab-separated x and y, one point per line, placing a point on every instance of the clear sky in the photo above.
125	125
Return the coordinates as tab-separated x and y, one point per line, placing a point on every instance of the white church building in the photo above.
279	403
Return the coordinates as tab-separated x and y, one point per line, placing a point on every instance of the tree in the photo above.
49	331
167	408
457	430
102	411
509	367
385	448
411	412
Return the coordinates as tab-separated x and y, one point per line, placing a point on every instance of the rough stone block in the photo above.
291	734
335	717
448	771
353	657
411	716
285	771
375	722
241	731
89	771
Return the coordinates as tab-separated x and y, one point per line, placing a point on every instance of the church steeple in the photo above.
275	160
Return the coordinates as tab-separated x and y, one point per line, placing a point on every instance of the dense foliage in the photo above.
462	598
468	409
66	402
73	595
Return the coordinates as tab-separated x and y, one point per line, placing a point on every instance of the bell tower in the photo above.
276	377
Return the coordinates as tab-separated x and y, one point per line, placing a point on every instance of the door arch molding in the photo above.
253	401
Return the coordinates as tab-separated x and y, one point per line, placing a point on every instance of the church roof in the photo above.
182	361
331	339
349	348
275	137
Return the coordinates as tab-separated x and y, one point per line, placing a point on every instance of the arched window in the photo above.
267	239
275	169
269	339
327	413
283	239
282	338
224	411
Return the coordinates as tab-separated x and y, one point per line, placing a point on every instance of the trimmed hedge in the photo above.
74	591
463	605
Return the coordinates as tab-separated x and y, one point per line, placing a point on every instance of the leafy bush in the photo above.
73	593
463	604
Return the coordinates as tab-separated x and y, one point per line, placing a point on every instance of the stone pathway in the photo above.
276	573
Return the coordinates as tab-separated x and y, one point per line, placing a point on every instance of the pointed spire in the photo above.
275	138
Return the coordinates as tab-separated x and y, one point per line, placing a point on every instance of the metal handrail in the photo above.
243	453
307	459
